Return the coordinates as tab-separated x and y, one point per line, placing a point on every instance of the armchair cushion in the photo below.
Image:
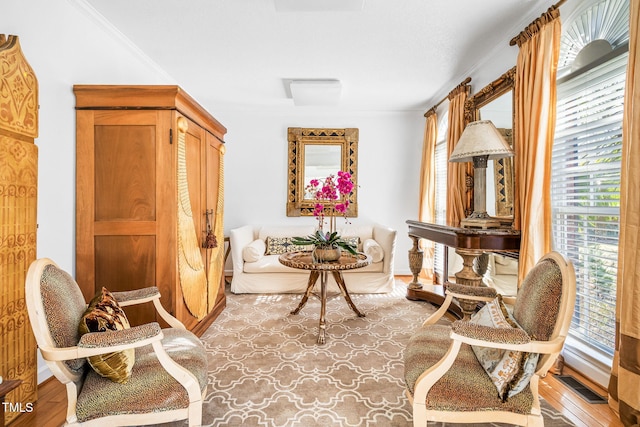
472	291
373	249
104	314
254	251
130	336
101	397
126	296
538	304
60	290
451	392
509	370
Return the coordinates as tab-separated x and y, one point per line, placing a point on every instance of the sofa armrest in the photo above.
386	237
238	239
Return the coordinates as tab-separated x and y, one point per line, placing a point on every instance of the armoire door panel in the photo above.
124	263
107	228
130	232
125	169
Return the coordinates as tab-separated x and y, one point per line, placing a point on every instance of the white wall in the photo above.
388	168
66	45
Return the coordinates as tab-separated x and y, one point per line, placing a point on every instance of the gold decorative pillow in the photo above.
283	245
105	314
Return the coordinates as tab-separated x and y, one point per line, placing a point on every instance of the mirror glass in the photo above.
495	102
500	112
316	154
320	161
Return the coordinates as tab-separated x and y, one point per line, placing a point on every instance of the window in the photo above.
441	190
585	188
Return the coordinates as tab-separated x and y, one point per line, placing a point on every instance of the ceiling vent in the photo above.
315	92
318	5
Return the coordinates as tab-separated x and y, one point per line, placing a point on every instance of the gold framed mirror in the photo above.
495	102
316	154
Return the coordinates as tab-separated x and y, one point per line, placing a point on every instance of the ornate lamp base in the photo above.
480	223
480	220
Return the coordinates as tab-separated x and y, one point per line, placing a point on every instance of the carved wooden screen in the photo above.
18	202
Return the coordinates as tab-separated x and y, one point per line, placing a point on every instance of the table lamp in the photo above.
479	142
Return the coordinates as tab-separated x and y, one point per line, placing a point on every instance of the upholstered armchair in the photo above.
114	374
487	368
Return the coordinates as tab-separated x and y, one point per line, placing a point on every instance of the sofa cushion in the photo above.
270	264
254	251
373	249
285	231
505	265
353	241
104	314
283	245
364	232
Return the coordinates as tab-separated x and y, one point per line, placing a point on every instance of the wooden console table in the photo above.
469	244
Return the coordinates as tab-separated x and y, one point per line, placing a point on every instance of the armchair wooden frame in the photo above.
548	350
92	344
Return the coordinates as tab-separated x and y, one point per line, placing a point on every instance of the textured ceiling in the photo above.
389	56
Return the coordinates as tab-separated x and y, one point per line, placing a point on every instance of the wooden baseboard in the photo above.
204	324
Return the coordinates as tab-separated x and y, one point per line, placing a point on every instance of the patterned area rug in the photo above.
267	370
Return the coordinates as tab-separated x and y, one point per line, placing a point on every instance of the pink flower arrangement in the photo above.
331	197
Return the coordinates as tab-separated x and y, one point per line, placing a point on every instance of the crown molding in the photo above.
95	16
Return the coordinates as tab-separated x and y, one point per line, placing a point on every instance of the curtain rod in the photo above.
432	110
514	40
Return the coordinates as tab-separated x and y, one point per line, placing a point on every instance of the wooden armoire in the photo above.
149	199
18	226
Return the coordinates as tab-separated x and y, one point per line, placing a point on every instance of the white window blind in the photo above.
585	193
441	189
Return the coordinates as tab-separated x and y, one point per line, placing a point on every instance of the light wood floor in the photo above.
50	409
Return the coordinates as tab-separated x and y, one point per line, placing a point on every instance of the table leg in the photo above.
467	276
323	307
343	289
416	257
313	277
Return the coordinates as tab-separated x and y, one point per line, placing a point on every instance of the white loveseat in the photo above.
502	274
256	272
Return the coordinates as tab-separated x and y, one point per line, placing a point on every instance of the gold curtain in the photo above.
427	196
624	384
535	110
457	172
